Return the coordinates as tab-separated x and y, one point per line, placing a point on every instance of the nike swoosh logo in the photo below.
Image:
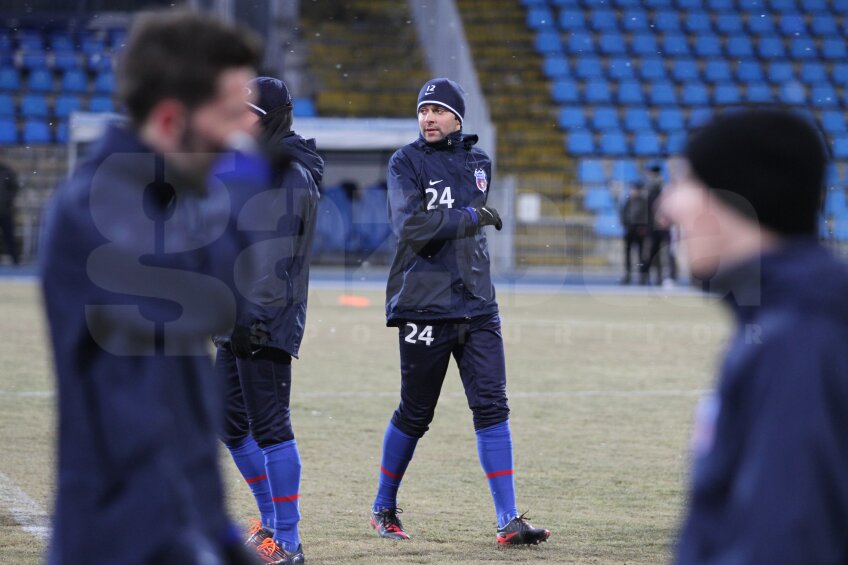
432	182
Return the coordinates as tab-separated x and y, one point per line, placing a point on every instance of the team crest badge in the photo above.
482	183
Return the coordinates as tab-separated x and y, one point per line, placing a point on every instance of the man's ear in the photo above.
168	121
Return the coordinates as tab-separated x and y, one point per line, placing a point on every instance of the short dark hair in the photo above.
179	54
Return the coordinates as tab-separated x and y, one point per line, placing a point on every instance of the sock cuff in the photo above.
395	430
244	445
494	431
280	448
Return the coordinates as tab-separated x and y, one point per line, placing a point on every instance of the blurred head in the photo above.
181	77
748	179
271	107
441	108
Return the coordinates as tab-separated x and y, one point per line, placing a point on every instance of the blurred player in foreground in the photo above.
133	270
771	444
441	298
255	361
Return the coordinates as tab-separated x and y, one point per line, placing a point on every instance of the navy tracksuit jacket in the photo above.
441	268
770	481
128	275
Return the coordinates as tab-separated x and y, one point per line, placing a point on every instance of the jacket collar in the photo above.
452	141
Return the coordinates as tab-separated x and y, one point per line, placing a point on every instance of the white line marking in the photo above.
28	393
24	510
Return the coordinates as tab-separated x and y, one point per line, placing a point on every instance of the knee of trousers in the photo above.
278	430
413	423
234	431
491	414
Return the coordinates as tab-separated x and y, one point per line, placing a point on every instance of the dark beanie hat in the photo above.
444	92
271	94
768	164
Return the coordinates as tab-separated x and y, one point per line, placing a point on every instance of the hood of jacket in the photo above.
304	152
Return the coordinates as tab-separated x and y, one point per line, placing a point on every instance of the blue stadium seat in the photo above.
636	119
36	132
727	93
749	71
548	42
91	45
793	93
833	121
627	3
675	141
99	62
667	21
5	42
646	143
8	131
771	48
565	90
33	106
634	20
670	119
814	6
531	3
605	118
707	45
540	17
840	147
61	42
9	79
698	22
591	171
699	116
630	92
371	227
729	23
598	198
304	108
720	5
657	4
555	66
103	104
65	104
613	143
652	68
625	170
33	60
761	24
675	45
792	24
823	25
834	49
758	93
839	71
62	132
7	106
74	80
619	68
117	37
334	221
40	80
803	48
64	60
694	94
597	91
104	83
580	143
30	40
588	67
684	70
823	95
644	44
690	5
603	20
740	47
608	225
580	42
571	117
717	70
783	5
612	43
813	72
662	93
571	19
780	72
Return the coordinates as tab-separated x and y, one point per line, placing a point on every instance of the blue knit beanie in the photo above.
444	92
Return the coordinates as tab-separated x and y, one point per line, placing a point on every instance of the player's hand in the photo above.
240	342
488	216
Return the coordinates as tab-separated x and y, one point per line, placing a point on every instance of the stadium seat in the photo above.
675	45
597	91
627	3
839	71
729	23
40	80
771	48
792	24
99	62
608	225
652	69
740	47
540	17
644	44
780	72
30	40
780	6
33	106
749	71
635	21
591	171
720	5
670	119
9	79
65	104
823	95
613	143
548	42
657	4
690	5
699	116
91	45
33	60
833	121
588	67
372	228
726	93
646	143
104	83
630	92
834	49
62	132
761	24
8	131
840	147
304	108
101	104
580	42
793	93
64	60
662	93
636	119
698	22
572	117
5	42
580	143
824	26
814	6
813	72
717	70
605	118
571	19
619	68
74	80
36	132
803	48
612	43
603	20
555	66
61	42
707	45
683	70
625	170
758	93
675	142
7	106
598	198
565	90
334	221
694	94
667	21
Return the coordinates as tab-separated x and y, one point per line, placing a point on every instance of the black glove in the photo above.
488	216
240	342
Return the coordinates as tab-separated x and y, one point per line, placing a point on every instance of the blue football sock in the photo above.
494	446
251	464
282	462
397	453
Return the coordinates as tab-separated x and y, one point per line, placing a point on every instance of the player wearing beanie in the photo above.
441	298
771	443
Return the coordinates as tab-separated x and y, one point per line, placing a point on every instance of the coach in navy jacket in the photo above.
770	478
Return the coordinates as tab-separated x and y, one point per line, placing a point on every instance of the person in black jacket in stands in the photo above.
634	220
8	191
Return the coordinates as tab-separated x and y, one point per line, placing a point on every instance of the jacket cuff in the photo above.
473	214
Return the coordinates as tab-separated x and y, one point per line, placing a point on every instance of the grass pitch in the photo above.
602	389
